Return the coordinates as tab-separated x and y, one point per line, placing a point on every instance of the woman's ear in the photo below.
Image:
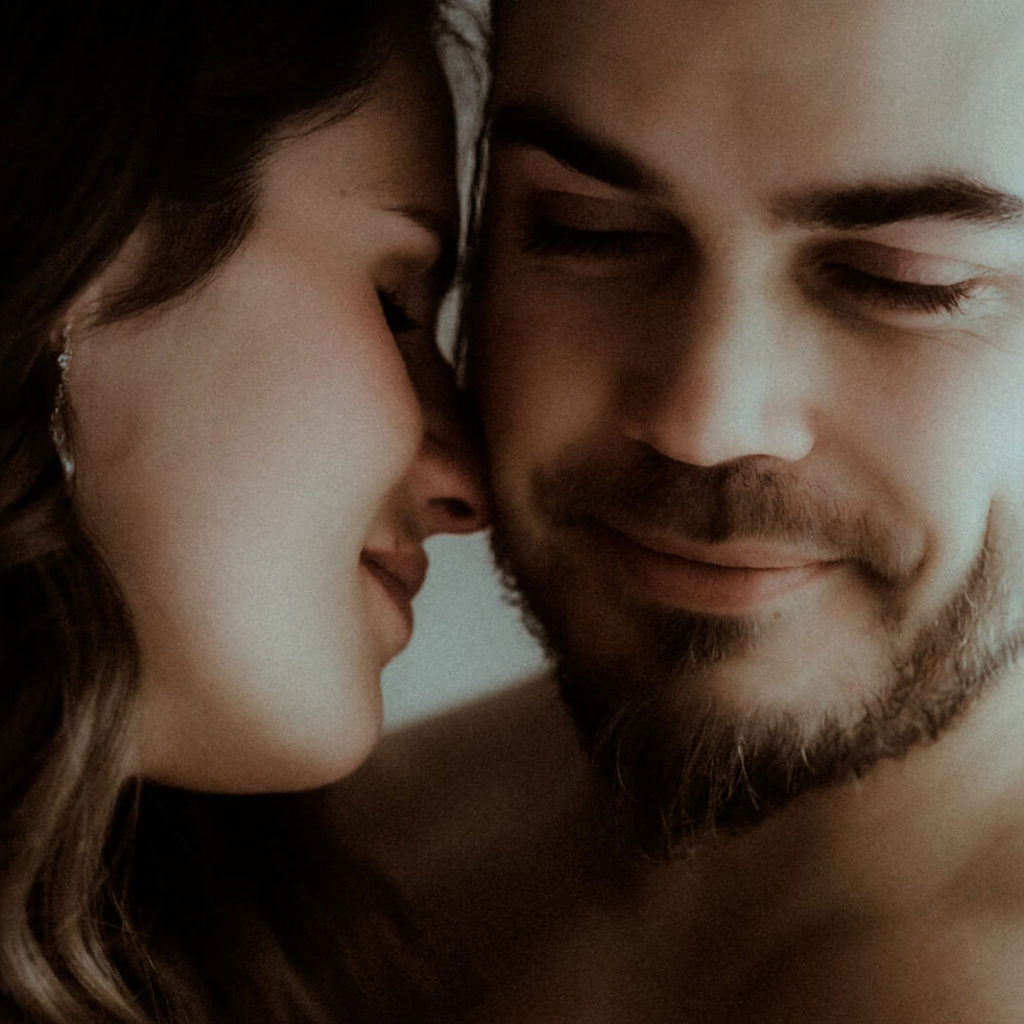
92	303
83	310
65	334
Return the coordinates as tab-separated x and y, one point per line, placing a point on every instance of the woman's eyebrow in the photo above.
944	195
441	224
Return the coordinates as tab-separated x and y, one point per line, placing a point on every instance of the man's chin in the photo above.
687	757
682	769
689	752
676	754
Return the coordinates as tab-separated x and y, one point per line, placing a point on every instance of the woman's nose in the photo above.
446	485
446	481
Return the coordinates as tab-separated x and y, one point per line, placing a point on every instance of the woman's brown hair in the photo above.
144	904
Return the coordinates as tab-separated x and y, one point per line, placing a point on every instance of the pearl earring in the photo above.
58	426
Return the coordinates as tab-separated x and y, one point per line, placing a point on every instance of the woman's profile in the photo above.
225	432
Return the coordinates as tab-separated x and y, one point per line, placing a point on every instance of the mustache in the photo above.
746	499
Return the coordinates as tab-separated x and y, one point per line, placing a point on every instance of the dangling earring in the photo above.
58	423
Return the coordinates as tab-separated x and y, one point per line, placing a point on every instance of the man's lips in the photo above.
730	578
736	554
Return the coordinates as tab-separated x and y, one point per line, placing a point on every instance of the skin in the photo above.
246	451
723	335
725	339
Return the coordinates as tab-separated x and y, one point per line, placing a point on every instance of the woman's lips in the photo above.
401	573
731	578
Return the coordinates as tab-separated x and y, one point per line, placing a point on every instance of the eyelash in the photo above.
396	316
897	295
549	238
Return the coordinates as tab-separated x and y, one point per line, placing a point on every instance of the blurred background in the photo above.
468	641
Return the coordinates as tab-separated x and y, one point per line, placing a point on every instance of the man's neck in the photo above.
900	838
507	848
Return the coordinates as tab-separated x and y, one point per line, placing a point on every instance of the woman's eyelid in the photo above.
417	244
418	284
410	305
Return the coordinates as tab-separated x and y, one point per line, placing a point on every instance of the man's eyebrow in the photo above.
870	205
583	151
948	196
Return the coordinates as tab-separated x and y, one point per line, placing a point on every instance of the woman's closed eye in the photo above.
396	313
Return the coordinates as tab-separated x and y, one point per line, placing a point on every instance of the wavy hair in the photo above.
113	114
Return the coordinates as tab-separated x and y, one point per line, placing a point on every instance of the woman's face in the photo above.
255	463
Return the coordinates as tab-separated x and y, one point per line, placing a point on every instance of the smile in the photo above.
730	578
400	574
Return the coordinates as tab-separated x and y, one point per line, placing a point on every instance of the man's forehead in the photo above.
726	29
861	88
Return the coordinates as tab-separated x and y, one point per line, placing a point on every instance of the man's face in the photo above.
748	342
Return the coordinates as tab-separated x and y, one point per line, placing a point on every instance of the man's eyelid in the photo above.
914	264
538	169
900	264
597	214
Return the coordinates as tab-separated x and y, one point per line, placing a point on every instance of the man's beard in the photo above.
682	763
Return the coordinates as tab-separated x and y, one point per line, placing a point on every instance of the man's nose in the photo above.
721	380
445	482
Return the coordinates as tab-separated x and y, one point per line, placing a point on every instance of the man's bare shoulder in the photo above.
960	970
